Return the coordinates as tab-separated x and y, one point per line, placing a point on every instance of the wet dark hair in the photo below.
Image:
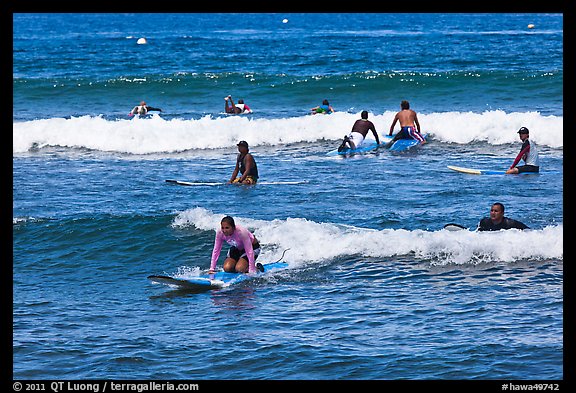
240	101
499	204
325	102
364	114
230	221
405	105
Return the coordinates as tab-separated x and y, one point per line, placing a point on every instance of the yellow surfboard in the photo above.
465	170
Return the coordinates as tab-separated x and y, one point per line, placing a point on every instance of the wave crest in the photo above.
157	135
311	241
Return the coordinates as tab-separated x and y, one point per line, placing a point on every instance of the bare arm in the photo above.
373	129
417	123
393	124
235	172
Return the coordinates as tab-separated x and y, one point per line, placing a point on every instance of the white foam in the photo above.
311	241
157	135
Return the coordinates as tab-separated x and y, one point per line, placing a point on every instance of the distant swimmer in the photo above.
359	131
324	109
410	127
528	153
245	165
497	221
244	249
232	109
142	109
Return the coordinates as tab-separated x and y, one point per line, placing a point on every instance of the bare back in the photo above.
407	117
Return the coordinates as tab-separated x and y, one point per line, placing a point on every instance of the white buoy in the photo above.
530	26
141	41
284	20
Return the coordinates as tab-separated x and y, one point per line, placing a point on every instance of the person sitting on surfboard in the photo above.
245	165
232	109
324	109
410	127
243	252
528	153
142	109
359	131
497	221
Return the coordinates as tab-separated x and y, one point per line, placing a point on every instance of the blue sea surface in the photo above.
376	289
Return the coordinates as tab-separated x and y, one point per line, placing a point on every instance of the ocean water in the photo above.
376	289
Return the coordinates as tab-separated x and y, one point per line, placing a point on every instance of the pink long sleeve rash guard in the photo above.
241	239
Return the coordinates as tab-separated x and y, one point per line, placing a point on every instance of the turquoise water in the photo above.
375	288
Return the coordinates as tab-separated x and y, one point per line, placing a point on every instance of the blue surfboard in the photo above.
216	280
404	144
398	146
366	147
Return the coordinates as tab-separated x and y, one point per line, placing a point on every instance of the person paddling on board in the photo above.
359	131
324	109
243	252
142	109
410	127
232	109
497	221
245	165
528	153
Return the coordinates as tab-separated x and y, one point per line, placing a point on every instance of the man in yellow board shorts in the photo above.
245	165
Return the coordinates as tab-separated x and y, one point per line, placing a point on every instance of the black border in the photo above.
245	6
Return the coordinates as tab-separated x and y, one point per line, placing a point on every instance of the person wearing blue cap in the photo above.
528	153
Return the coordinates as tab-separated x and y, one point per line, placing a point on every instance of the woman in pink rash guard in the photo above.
244	251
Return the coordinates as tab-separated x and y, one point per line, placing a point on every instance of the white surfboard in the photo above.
471	171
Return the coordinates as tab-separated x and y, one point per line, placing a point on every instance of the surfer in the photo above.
324	109
142	109
246	165
410	127
359	131
232	109
497	221
528	153
243	252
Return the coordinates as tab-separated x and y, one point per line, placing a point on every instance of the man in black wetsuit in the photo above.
359	131
246	165
497	221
